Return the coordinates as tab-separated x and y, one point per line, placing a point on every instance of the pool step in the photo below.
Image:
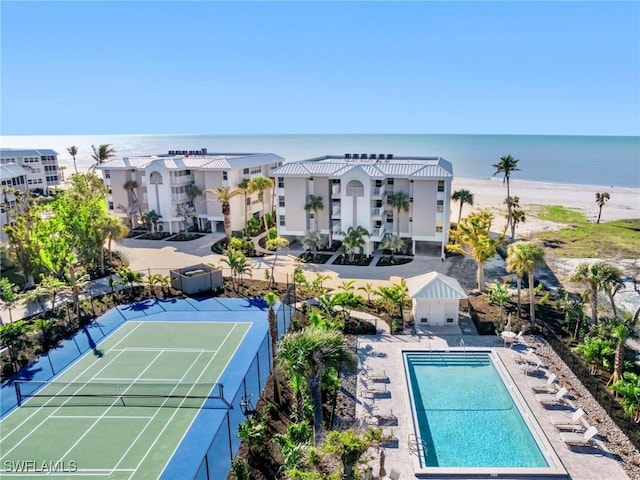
448	359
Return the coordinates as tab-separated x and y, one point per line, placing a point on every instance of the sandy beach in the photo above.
489	193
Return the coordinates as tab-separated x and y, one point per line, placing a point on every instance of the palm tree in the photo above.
612	283
354	240
472	237
150	220
101	154
309	353
621	331
393	243
593	276
185	212
506	165
243	186
9	294
73	151
517	216
462	196
525	257
312	241
271	298
130	187
193	191
515	266
276	244
511	203
601	199
399	201
314	204
115	230
260	185
224	196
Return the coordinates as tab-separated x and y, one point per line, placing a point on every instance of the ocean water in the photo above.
585	160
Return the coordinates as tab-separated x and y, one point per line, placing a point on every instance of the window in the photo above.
280	182
281	201
390	181
282	221
107	174
110	205
224	176
439	229
440	206
248	201
449	320
441	185
245	171
256	170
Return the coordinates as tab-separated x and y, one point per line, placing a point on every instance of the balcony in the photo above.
179	197
378	233
336	212
182	180
336	190
378	191
336	228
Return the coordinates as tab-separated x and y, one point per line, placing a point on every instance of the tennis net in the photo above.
135	394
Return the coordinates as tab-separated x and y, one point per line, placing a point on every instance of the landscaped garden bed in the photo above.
358	261
319	258
155	236
385	261
185	237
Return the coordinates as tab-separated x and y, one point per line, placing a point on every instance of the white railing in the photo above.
376	212
178	197
336	212
336	229
335	190
378	191
355	191
181	180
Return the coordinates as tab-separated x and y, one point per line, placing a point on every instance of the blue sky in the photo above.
320	67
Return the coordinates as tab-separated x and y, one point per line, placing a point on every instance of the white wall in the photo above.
435	310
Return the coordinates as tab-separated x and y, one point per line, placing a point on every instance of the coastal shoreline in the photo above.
490	193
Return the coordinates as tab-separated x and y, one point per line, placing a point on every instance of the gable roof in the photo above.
435	285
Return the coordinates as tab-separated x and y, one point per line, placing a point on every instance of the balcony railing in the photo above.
179	197
378	191
336	189
184	179
336	212
336	229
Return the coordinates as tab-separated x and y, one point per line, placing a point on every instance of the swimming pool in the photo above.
466	417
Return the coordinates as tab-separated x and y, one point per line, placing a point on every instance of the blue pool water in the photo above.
465	415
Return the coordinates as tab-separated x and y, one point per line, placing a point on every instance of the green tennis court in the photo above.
121	411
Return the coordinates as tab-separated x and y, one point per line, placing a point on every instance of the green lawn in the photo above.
583	239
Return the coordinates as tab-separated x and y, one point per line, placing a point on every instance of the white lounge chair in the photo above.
552	399
569	421
531	368
376	375
384	414
376	390
572	439
546	386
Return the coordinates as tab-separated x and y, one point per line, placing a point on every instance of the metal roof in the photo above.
12	170
25	152
435	285
193	162
400	167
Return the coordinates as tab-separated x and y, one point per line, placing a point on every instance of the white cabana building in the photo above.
435	299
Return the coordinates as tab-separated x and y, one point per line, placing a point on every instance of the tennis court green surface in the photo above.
122	410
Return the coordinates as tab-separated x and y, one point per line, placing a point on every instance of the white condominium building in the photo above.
160	183
41	166
356	190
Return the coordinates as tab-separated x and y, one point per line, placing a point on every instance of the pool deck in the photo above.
383	352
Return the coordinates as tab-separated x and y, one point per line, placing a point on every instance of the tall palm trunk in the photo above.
519	287
315	387
532	301
480	276
226	211
593	299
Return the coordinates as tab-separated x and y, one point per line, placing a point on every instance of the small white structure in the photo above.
435	299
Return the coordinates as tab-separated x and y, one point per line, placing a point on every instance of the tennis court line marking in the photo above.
235	324
170	381
91	472
49	401
106	411
96	416
151	349
221	372
195	361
